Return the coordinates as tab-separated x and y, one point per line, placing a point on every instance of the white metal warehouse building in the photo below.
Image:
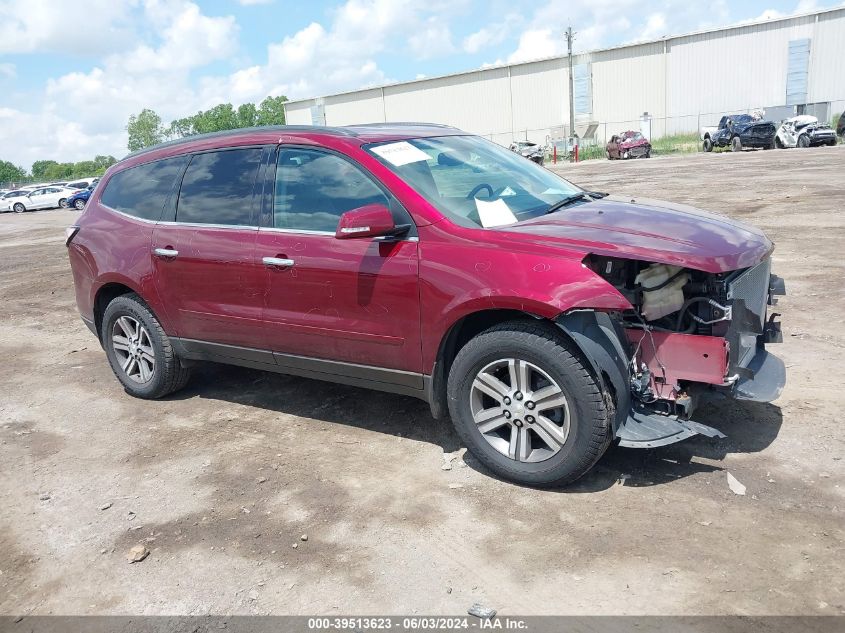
785	66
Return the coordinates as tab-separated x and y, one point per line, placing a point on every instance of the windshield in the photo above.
632	136
473	181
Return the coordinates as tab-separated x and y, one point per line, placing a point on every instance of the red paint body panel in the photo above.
353	300
215	287
684	356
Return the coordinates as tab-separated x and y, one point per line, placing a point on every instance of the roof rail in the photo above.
277	129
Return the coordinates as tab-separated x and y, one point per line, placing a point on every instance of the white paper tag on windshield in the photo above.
401	153
495	213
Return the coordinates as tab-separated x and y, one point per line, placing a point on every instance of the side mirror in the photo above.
372	220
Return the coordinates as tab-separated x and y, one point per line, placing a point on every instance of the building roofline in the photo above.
667	38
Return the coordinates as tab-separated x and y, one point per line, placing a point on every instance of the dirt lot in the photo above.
223	479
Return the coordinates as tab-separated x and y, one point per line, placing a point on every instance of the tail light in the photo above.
70	233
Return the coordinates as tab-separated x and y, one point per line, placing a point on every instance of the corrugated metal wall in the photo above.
682	82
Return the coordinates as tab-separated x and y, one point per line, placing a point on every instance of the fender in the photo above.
603	343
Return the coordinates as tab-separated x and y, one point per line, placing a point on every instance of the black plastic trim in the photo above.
367	376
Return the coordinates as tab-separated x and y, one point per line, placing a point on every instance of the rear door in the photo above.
203	251
339	304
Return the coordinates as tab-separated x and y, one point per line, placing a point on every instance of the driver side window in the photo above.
314	188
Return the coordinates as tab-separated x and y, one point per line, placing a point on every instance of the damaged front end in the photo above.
689	334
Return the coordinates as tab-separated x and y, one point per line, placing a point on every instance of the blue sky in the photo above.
71	73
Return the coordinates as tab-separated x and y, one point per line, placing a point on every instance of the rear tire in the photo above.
139	352
63	203
736	144
511	433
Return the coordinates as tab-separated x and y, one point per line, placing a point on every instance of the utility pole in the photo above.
569	37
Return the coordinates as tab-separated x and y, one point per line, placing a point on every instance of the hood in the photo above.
628	143
650	230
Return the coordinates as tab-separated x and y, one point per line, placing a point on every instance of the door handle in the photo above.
277	262
165	252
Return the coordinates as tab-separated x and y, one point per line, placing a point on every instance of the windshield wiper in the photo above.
587	196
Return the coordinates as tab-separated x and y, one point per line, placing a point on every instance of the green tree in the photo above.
144	130
220	117
10	172
40	167
103	163
58	171
272	111
247	115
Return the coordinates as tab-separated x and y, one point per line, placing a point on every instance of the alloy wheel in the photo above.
520	410
133	349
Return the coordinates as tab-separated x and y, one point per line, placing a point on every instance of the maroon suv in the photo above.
546	320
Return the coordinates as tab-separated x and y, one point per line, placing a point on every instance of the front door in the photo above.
204	252
345	302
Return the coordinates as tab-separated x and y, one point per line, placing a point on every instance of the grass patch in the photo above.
676	144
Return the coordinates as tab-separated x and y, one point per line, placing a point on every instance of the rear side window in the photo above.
142	191
218	188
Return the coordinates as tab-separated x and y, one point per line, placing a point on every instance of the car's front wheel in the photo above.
736	144
79	203
139	352
526	406
18	207
803	141
708	145
63	203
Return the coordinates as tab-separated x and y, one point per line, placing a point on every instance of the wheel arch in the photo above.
458	335
106	293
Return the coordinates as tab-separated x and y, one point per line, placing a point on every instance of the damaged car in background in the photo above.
548	321
532	151
630	144
804	131
739	132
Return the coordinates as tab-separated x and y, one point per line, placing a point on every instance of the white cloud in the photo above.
41	25
249	3
85	113
8	70
655	27
536	44
490	35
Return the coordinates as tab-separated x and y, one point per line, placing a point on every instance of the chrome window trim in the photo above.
200	225
274	229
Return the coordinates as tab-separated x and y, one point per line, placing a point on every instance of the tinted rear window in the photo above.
142	191
218	186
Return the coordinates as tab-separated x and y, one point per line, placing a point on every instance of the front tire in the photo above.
708	145
803	141
736	144
139	352
79	204
18	208
526	406
63	203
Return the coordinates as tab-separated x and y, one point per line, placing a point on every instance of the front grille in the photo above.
752	287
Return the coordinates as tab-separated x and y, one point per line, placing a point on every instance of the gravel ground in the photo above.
221	481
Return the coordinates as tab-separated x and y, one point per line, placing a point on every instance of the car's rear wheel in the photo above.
139	352
63	203
736	144
708	145
803	141
79	203
526	406
18	207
